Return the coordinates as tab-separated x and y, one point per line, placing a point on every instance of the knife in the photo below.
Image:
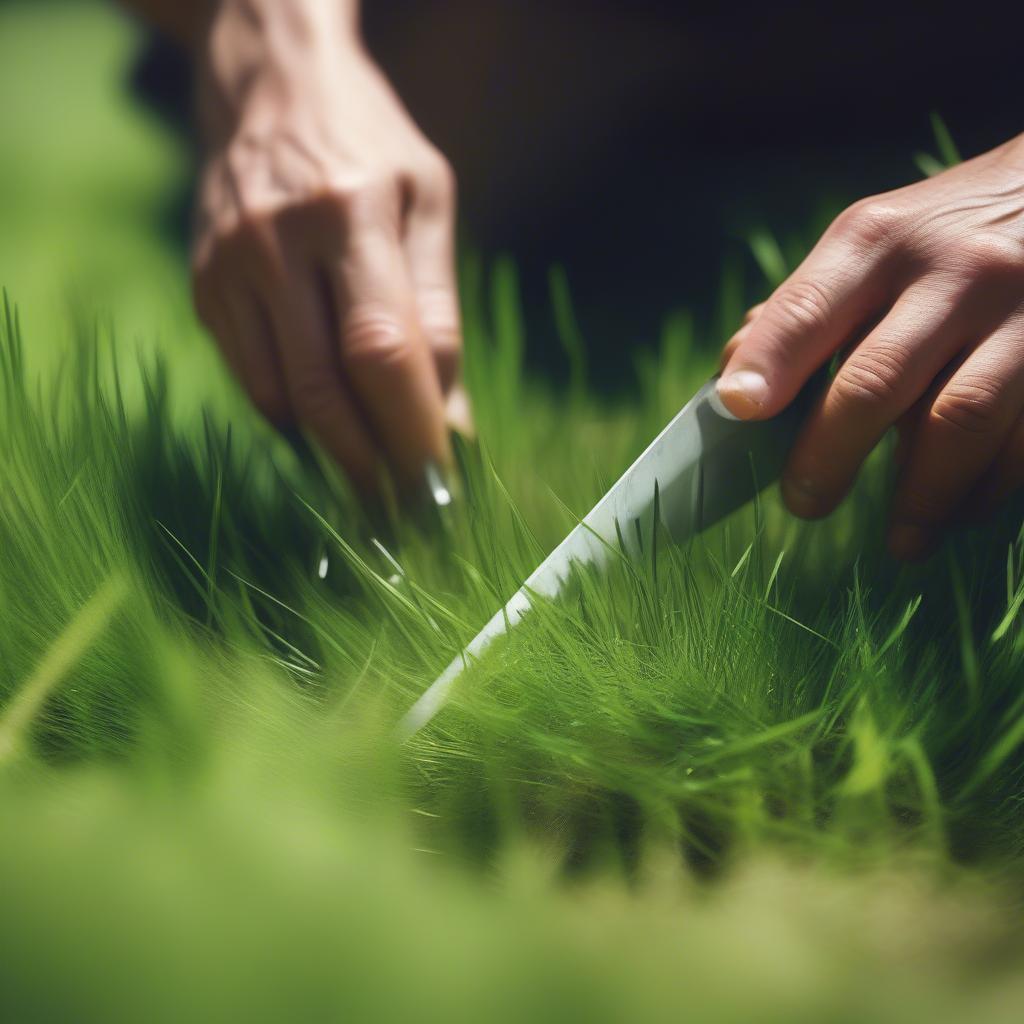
705	464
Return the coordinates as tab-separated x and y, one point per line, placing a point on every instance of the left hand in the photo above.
324	251
925	287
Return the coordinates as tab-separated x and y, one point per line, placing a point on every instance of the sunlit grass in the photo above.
766	775
772	689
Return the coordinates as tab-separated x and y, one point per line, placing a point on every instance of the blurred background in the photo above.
636	143
639	141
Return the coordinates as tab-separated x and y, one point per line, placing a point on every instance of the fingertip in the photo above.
459	412
804	498
409	460
745	393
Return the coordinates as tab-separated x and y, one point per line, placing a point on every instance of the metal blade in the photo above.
705	464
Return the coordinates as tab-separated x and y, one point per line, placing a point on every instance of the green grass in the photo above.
769	775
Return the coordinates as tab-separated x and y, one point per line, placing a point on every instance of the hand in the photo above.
324	252
924	289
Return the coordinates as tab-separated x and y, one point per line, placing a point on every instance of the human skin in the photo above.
323	265
323	259
922	291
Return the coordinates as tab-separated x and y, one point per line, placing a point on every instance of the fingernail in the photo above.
459	413
744	393
908	541
801	495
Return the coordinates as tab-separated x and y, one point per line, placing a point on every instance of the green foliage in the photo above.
740	779
949	155
164	637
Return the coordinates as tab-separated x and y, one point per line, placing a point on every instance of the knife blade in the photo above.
705	464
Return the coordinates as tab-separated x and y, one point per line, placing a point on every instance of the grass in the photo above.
768	774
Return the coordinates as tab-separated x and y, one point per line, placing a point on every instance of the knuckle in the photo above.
340	201
753	313
439	176
803	305
360	196
994	255
871	376
870	223
373	338
969	406
343	207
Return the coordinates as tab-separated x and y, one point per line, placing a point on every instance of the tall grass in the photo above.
766	775
174	675
769	680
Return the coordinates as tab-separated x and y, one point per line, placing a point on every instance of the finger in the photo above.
212	309
384	355
458	414
1004	477
744	329
730	347
430	250
214	318
884	375
908	426
223	268
966	426
255	357
840	285
208	300
753	313
906	429
304	340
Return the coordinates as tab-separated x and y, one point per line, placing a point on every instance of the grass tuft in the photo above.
767	774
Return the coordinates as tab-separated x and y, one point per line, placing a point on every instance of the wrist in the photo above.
252	50
298	21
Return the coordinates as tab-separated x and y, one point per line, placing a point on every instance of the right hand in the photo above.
921	290
324	252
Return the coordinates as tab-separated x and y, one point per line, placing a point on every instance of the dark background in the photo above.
637	142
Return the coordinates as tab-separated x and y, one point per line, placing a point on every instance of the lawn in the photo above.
769	775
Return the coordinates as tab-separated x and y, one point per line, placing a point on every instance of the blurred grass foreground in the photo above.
769	776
